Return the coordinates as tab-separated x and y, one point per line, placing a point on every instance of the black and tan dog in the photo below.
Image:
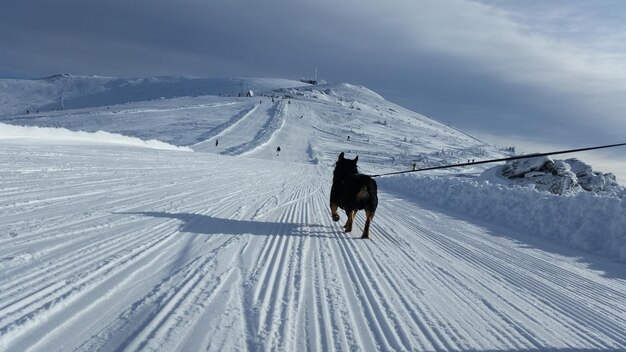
352	192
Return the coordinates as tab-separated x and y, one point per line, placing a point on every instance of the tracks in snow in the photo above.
141	250
245	131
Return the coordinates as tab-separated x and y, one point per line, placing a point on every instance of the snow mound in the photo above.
584	220
62	134
555	176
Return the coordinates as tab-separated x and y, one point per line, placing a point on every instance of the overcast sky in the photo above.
529	73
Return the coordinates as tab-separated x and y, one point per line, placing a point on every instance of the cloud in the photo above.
551	72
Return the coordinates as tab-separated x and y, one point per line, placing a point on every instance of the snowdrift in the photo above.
62	134
584	220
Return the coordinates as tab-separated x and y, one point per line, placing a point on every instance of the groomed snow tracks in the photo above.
116	248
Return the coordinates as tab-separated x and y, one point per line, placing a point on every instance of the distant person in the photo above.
27	112
278	151
348	137
217	141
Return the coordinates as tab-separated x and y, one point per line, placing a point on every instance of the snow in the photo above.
554	176
110	241
585	220
43	95
66	136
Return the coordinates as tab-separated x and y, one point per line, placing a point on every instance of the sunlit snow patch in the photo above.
62	134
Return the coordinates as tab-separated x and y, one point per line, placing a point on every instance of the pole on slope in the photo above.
503	159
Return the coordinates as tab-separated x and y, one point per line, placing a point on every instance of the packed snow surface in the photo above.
109	243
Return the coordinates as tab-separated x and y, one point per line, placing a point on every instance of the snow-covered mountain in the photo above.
70	92
172	222
355	118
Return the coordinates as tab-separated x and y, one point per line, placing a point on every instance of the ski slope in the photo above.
113	248
132	246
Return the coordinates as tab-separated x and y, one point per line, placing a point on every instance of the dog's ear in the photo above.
341	156
356	159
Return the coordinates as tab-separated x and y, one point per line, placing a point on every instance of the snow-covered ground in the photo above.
109	243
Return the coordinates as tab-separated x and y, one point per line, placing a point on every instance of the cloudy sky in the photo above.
531	73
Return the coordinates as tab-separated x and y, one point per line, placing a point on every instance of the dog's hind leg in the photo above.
333	212
369	215
345	226
351	214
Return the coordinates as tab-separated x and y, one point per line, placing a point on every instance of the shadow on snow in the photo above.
208	225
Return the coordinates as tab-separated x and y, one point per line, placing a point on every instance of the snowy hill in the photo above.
18	96
328	115
126	240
